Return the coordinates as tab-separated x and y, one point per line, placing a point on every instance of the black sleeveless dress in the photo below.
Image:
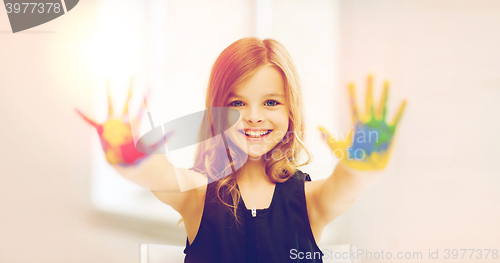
275	234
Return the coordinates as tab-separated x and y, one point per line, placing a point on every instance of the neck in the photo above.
253	172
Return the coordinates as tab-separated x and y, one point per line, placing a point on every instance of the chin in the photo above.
258	151
256	155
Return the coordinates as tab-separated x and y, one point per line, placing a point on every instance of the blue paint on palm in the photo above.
368	146
374	136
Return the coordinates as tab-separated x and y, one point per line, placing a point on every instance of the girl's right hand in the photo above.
145	165
116	137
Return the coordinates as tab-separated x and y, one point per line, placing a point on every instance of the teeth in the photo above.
255	133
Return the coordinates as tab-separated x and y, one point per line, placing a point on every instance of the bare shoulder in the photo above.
189	202
312	186
320	208
316	219
312	189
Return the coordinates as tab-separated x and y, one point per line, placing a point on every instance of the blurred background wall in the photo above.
439	191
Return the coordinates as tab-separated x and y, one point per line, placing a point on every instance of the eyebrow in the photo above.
267	95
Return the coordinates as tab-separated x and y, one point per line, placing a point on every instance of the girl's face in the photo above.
264	113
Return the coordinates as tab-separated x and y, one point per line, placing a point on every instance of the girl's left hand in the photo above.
368	145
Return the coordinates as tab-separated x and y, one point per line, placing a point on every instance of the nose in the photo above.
254	116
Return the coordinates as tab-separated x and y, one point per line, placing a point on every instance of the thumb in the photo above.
330	140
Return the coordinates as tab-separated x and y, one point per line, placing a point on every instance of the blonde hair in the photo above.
238	62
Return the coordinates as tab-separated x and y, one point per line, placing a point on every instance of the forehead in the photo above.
267	81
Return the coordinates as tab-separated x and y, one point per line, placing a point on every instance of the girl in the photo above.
258	207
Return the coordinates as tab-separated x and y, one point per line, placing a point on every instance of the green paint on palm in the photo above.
369	146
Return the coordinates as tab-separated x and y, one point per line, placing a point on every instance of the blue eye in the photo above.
273	101
236	101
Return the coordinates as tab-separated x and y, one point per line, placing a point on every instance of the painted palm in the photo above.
117	138
368	145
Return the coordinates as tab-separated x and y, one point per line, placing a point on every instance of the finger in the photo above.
129	95
87	119
352	101
369	96
110	100
135	122
146	107
399	114
138	117
382	107
330	140
155	148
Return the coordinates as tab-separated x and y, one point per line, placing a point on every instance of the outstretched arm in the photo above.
362	156
140	162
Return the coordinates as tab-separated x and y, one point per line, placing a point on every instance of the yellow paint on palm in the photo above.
357	150
113	156
116	133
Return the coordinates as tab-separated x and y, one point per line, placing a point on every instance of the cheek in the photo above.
280	118
234	135
284	122
281	126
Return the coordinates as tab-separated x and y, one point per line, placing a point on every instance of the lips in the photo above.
255	133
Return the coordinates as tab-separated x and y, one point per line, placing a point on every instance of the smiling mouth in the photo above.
255	134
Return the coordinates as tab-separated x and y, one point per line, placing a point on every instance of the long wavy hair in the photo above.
238	62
